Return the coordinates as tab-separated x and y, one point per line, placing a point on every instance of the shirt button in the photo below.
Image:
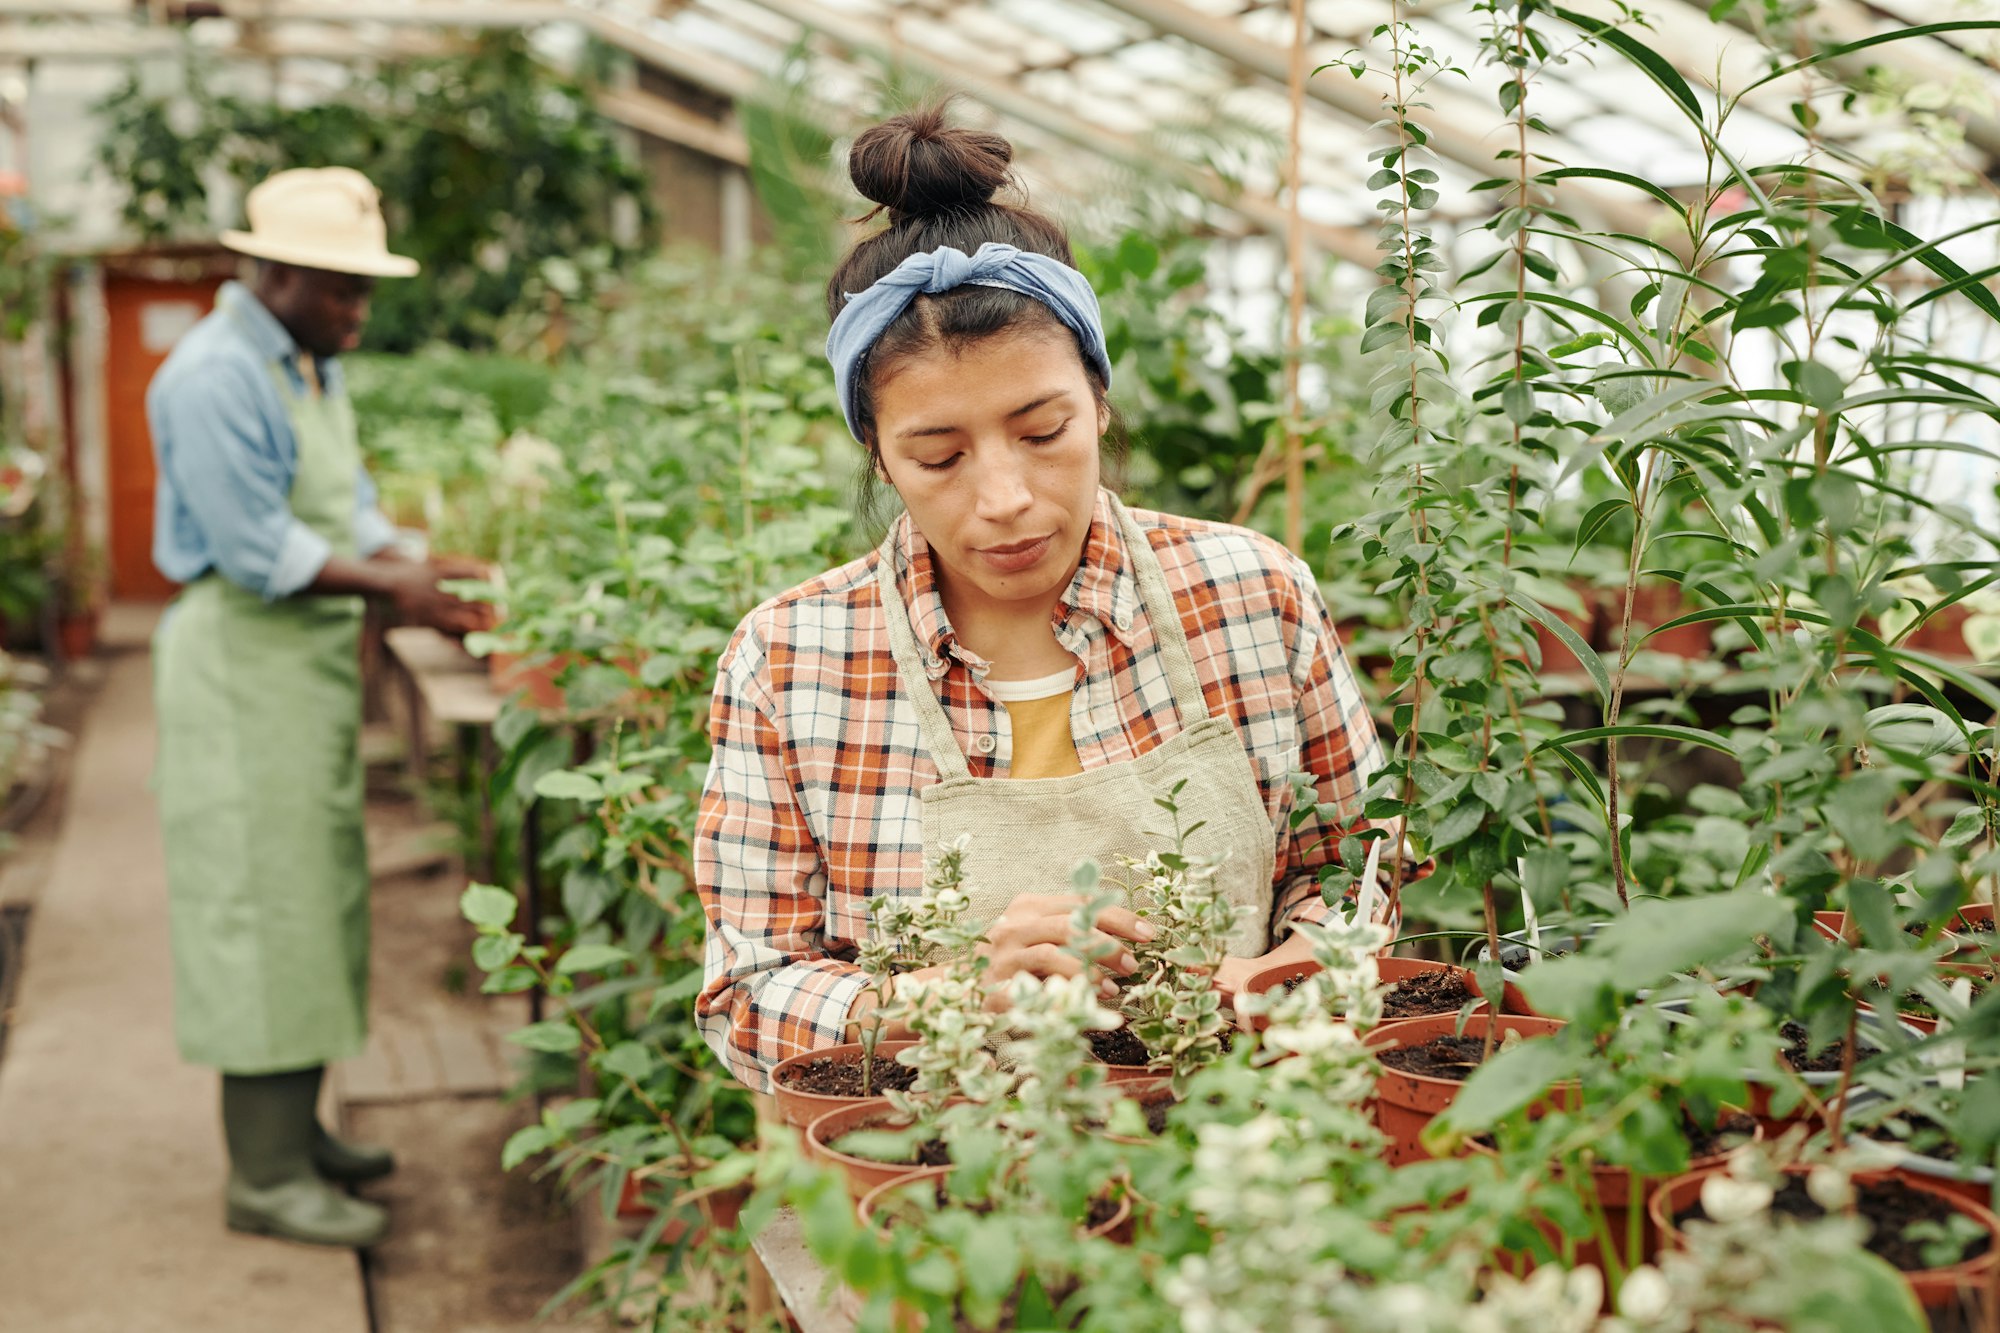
933	663
984	743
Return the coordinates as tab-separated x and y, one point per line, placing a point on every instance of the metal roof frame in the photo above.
1091	75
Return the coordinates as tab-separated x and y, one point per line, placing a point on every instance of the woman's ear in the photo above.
1103	417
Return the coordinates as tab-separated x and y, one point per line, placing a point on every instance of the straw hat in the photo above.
320	217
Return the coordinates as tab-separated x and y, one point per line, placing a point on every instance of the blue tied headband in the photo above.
868	314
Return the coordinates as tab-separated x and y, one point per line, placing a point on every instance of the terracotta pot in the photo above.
799	1109
1943	635
863	1174
1117	1227
1390	970
1557	659
1967	1180
1147	1095
532	677
76	635
1405	1103
1512	998
1969	938
1656	604
1613	1186
1935	1288
720	1209
1823	1082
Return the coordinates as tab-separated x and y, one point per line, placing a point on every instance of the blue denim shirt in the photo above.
226	455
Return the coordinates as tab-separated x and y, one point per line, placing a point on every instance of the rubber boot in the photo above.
338	1160
270	1123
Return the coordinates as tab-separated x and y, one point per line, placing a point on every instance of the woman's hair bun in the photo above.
916	165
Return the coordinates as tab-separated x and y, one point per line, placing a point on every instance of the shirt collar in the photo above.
270	338
1104	586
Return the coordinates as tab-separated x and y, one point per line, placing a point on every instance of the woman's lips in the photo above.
1017	556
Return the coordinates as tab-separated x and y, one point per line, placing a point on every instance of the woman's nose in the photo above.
1003	486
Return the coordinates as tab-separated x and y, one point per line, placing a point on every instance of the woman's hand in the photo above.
1233	973
1031	935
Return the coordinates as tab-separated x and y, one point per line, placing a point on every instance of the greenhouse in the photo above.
1214	665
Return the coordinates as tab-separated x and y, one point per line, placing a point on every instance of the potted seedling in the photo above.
1944	1245
903	934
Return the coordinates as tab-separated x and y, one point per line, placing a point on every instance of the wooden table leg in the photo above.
489	846
413	721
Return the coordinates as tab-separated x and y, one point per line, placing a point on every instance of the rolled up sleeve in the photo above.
372	529
215	447
769	990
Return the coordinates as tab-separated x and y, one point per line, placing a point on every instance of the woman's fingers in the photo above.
1053	932
1047	960
1125	924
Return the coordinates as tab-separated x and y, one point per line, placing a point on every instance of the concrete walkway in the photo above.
111	1161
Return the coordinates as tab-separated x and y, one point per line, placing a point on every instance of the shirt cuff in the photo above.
804	1008
373	532
1301	907
299	561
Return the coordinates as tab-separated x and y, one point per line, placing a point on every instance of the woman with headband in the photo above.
1023	660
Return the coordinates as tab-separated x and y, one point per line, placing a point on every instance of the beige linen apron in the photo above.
1029	836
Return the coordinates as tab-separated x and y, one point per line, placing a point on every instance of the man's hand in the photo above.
408	585
419	601
1030	936
449	566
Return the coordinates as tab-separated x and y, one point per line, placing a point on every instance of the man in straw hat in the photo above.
266	516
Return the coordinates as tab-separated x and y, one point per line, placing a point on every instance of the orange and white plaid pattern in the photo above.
812	803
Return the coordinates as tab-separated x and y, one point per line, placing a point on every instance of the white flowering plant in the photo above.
1170	1001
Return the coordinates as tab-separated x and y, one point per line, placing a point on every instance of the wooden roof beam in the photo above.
675	124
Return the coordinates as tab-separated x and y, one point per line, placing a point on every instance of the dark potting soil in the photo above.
1010	1308
1118	1047
1913	1003
840	1076
1981	926
1890	1208
1826	1060
1447	1057
1514	956
1732	1129
1918	1133
1424	994
931	1152
1121	1048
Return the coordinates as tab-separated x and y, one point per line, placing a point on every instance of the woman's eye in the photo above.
942	465
1050	438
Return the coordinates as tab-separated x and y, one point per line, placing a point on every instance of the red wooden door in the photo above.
145	318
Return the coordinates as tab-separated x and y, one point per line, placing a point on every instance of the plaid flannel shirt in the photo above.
812	803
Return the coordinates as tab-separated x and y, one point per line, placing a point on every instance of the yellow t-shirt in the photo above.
1039	712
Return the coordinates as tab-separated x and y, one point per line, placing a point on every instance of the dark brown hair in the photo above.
937	184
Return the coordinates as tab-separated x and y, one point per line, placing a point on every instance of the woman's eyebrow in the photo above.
1043	401
919	432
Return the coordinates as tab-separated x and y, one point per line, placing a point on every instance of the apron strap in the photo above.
1165	618
939	738
1161	611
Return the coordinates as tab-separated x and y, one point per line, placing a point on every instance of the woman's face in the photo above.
993	449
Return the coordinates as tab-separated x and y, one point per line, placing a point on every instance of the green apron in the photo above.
259	780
